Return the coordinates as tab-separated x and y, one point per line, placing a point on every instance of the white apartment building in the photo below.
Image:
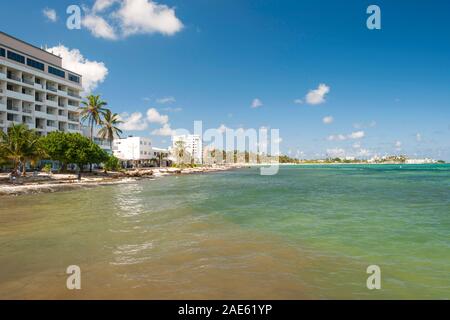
135	149
36	90
193	145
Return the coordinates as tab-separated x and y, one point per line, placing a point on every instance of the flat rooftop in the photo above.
25	48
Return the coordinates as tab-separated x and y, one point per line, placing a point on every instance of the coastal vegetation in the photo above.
110	129
92	110
22	148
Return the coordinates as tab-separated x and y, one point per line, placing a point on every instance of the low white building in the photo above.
161	156
192	144
137	150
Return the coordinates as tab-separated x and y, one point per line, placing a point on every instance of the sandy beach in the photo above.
43	182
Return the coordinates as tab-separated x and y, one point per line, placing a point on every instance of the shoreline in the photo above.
49	183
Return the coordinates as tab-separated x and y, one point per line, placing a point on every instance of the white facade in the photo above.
193	145
133	148
36	90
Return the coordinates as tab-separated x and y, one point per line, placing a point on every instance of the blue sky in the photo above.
214	58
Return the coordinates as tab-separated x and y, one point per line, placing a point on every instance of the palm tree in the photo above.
109	125
180	151
91	111
20	145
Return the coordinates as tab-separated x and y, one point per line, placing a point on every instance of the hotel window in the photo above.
56	72
34	64
74	78
2	52
16	57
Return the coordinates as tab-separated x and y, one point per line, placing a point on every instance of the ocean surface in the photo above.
309	232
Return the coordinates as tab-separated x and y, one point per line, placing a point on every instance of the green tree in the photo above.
91	111
55	145
20	145
110	128
82	151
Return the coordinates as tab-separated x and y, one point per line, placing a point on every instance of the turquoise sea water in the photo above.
307	232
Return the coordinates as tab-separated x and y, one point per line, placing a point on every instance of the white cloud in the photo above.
166	100
138	122
317	96
328	120
114	19
341	137
398	145
256	103
99	27
356	135
336	153
298	101
133	122
93	72
50	14
165	130
153	116
337	137
101	5
146	16
356	145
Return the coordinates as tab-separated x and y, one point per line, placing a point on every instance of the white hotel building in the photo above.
134	149
138	151
36	90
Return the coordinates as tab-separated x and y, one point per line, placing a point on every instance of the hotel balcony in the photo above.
13	108
27	109
73	119
73	94
39	86
28	121
28	81
73	128
19	96
40	124
51	103
2	104
51	88
14	77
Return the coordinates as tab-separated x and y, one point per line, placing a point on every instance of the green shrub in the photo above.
47	168
112	164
